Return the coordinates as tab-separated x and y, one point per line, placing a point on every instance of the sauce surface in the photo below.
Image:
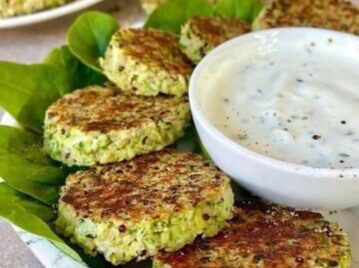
299	105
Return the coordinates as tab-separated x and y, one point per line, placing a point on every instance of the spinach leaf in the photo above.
202	150
35	207
192	143
31	216
26	91
242	9
89	36
35	217
173	13
78	74
25	167
189	141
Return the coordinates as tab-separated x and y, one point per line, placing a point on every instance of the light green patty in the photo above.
9	8
147	62
99	125
199	35
133	209
266	236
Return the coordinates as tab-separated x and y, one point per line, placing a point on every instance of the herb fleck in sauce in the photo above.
296	106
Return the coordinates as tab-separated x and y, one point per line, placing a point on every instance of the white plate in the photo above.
51	257
45	15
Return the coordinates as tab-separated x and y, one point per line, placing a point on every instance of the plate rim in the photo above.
49	14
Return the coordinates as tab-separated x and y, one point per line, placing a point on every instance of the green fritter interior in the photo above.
133	209
98	125
264	236
147	62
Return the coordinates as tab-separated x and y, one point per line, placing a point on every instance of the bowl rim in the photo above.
340	174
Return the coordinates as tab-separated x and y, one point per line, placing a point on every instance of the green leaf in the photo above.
25	167
29	215
192	143
189	141
89	36
202	150
44	212
26	91
173	13
242	9
78	74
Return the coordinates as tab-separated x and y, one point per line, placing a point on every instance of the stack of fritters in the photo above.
264	236
140	199
134	201
101	125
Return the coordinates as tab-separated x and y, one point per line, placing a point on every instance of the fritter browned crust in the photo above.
199	35
147	186
215	31
337	15
105	110
99	125
266	236
146	62
156	49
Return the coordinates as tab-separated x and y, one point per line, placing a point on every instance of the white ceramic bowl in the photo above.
277	181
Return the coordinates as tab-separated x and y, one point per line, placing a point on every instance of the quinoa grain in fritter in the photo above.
199	35
265	236
98	125
131	210
147	62
339	15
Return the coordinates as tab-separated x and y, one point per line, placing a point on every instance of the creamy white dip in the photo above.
296	105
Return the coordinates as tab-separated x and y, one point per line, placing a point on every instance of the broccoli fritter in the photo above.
266	236
98	125
199	35
339	15
132	209
147	62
